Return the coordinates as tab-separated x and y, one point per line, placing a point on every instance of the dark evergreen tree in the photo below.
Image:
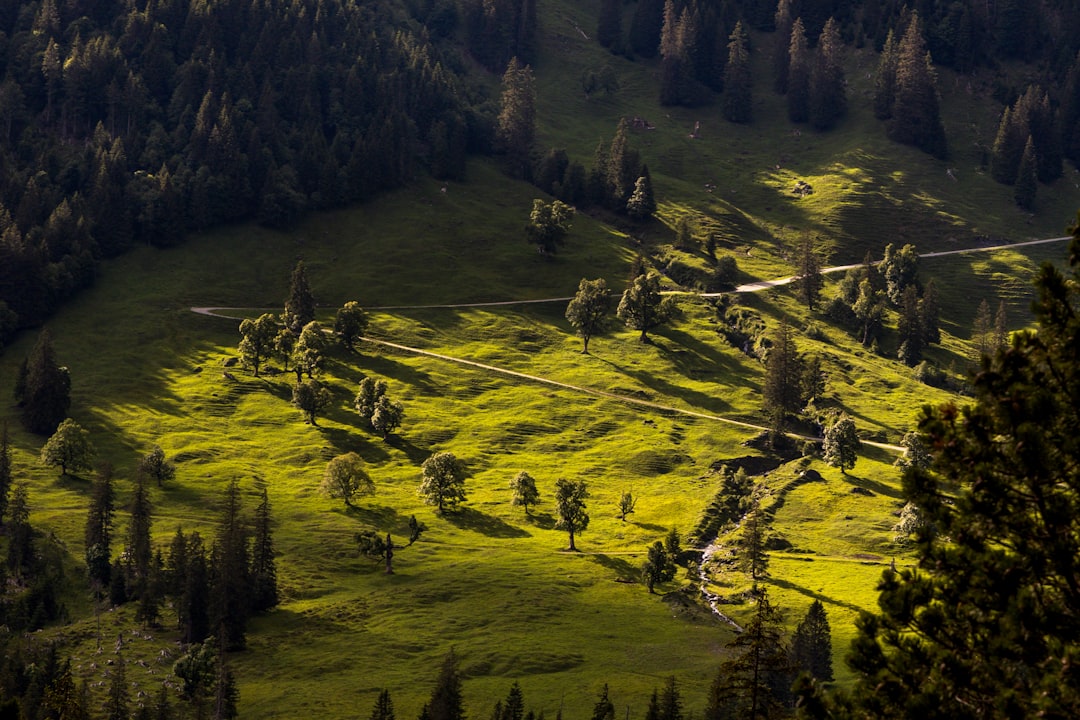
646	26
911	335
300	305
642	202
21	557
869	310
1026	179
811	645
783	22
609	25
658	566
928	314
44	391
885	79
264	591
916	113
118	700
623	166
516	125
670	705
737	103
982	333
193	608
384	707
139	550
604	709
798	75
446	701
781	394
810	278
98	532
985	623
230	574
226	694
753	557
1008	149
1001	327
6	475
828	97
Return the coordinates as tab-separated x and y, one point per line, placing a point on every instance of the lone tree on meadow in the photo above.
570	496
442	483
312	398
345	479
841	445
659	566
300	305
642	307
43	388
588	310
257	341
811	645
155	465
69	448
524	488
627	503
548	225
350	324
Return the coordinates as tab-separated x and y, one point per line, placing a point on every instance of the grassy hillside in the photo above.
491	582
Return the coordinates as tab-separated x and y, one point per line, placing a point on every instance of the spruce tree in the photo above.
193	608
909	330
384	707
737	103
810	279
782	22
928	314
230	574
138	541
446	701
827	96
623	167
21	558
885	79
6	475
982	332
44	390
811	645
670	704
642	202
515	128
98	531
264	591
645	28
798	75
300	305
781	394
609	25
1001	327
753	557
1026	179
1008	149
604	709
916	115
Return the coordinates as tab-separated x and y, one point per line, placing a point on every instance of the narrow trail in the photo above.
220	312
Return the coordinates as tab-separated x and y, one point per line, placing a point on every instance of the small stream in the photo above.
712	598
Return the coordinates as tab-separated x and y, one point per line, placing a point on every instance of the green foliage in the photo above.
98	533
515	129
257	341
1026	181
387	416
642	307
69	448
753	556
782	393
311	397
827	95
350	324
810	279
627	503
446	701
346	478
900	269
841	445
6	476
300	304
548	225
642	202
811	644
442	482
155	465
570	497
916	110
310	348
525	493
588	310
737	102
367	398
43	390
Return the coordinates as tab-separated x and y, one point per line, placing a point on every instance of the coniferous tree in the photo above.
624	166
44	390
446	701
1026	178
604	709
928	314
810	278
670	704
781	393
1001	327
658	566
798	75
646	26
982	332
300	305
193	608
98	531
910	331
827	96
753	557
737	103
21	558
869	309
609	25
139	549
264	591
230	574
384	707
118	700
916	115
885	79
642	202
783	21
1008	149
516	124
811	644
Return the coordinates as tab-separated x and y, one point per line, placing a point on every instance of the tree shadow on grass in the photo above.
651	527
544	521
471	519
344	441
788	585
873	485
624	570
416	454
380	517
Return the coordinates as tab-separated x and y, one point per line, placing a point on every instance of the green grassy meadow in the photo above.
489	582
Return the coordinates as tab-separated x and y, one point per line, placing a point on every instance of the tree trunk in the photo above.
644	337
572	547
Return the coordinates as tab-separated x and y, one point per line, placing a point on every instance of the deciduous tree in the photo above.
642	307
387	416
570	497
589	309
442	482
524	488
69	448
309	350
346	478
257	341
350	324
627	503
548	225
841	445
367	398
311	397
155	465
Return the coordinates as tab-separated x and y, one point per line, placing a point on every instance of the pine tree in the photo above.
670	704
646	26
798	75
928	314
193	608
138	541
446	701
44	391
982	332
810	278
753	557
642	202
1008	149
609	25
1001	327
515	128
1026	179
783	22
604	709
811	645
118	700
264	591
781	394
98	531
916	116
623	167
384	707
300	305
230	581
737	103
827	96
657	567
885	79
909	330
21	558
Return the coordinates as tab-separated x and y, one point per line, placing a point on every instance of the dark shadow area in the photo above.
788	585
368	447
382	366
544	521
651	527
873	486
470	519
380	517
416	454
624	570
697	399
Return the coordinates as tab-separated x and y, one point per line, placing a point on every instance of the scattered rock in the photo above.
231	361
856	490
